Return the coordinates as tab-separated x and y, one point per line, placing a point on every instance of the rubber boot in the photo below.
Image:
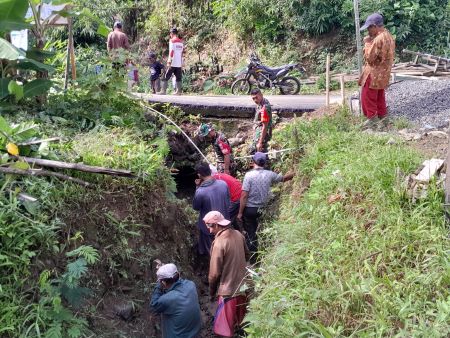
163	88
178	88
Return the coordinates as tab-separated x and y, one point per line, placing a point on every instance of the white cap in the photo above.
167	271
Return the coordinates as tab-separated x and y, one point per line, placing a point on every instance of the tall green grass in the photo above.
353	256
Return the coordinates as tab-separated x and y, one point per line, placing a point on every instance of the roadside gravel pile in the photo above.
425	103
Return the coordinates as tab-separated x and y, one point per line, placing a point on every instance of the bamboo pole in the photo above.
72	52
327	82
358	35
40	172
342	81
76	166
69	47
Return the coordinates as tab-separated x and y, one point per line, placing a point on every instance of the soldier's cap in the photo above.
374	19
204	129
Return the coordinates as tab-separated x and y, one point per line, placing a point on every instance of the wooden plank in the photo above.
431	168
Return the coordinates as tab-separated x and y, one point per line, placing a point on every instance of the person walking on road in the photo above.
379	50
117	39
222	148
176	299
174	62
227	272
156	69
262	122
255	195
235	189
211	194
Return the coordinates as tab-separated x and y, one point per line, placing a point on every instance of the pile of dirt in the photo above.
131	227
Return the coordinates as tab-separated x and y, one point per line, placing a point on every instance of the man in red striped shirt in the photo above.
235	188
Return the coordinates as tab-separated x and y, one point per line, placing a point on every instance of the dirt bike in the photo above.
266	77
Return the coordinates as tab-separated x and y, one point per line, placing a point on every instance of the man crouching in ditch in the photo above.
176	300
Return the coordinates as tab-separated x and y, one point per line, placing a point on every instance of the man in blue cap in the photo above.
255	195
379	50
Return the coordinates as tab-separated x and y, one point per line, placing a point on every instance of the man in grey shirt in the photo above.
255	194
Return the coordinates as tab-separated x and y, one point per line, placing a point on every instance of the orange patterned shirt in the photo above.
379	58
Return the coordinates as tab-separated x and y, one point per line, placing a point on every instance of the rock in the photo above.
391	141
125	310
437	133
235	141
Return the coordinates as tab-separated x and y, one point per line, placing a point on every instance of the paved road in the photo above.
240	106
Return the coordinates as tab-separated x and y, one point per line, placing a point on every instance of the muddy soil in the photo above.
131	227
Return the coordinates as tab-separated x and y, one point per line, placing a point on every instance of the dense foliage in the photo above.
351	255
267	25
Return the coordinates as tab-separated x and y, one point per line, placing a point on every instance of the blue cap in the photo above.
373	19
260	158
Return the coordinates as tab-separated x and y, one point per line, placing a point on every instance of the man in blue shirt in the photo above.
176	300
211	194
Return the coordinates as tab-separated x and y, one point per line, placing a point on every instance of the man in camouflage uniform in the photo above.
262	122
224	153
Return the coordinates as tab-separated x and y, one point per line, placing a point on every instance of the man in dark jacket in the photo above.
176	300
211	194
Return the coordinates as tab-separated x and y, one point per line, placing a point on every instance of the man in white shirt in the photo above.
174	62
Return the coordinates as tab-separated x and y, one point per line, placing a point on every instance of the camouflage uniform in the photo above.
263	113
222	147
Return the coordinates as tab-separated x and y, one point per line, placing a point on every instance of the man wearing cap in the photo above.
227	272
262	122
211	194
379	49
222	148
117	39
176	300
174	62
255	195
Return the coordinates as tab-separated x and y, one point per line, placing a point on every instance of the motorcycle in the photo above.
266	77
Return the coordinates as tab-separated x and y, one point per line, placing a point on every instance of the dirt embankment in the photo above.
131	227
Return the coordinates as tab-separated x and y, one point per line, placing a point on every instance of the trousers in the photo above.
175	71
250	225
373	101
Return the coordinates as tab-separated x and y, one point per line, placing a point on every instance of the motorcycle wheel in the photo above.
289	85
241	87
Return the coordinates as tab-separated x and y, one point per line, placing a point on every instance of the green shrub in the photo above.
353	256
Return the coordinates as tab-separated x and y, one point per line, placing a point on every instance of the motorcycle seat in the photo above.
276	69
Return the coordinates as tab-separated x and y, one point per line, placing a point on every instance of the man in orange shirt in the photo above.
379	49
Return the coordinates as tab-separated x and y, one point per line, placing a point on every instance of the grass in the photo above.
353	256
